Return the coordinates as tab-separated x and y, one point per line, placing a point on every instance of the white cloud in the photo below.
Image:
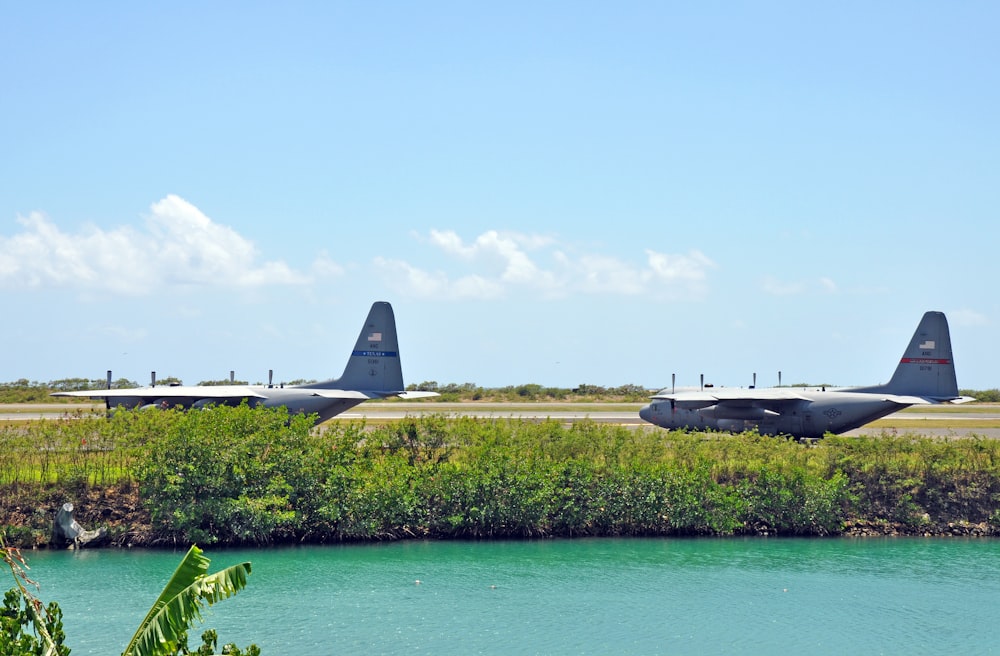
424	284
325	267
507	252
499	263
599	274
179	245
668	268
450	242
967	318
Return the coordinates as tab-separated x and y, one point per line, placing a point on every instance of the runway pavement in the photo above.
620	413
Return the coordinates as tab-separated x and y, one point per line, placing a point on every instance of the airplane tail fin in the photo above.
927	369
374	363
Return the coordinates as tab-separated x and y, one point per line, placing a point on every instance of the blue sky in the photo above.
553	193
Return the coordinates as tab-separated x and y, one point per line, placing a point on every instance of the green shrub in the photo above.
230	475
256	476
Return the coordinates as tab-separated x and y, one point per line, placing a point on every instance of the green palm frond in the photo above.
181	601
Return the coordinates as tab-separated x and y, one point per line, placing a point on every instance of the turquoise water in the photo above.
599	596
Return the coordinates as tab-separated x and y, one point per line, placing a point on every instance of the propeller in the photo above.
107	399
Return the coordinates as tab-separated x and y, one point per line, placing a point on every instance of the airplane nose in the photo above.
644	413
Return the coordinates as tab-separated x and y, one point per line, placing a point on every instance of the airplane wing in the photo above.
755	404
171	391
775	399
190	394
90	394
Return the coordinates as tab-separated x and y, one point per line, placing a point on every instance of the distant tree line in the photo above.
533	392
25	391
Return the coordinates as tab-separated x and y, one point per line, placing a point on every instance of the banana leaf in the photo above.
181	602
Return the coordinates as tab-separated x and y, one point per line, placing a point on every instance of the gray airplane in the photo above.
373	372
925	374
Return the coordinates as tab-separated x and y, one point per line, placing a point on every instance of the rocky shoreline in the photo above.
864	528
128	524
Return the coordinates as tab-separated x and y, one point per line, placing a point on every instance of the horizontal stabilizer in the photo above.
417	395
906	400
353	394
343	394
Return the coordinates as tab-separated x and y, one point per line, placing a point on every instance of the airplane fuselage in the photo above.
817	414
298	400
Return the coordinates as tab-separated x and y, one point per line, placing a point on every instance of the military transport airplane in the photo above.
925	374
373	372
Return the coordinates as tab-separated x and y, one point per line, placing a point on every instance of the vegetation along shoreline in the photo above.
242	476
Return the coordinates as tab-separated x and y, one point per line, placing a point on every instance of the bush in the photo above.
232	475
258	476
